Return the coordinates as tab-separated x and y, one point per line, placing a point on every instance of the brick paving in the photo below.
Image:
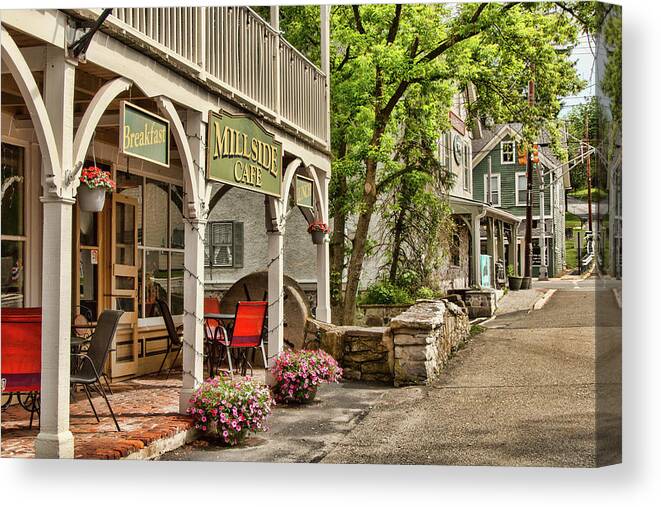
146	409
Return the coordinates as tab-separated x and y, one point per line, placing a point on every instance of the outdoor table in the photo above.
214	353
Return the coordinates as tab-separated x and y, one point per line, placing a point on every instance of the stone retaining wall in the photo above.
412	349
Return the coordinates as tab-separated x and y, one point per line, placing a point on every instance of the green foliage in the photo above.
575	123
428	293
385	293
510	270
597	194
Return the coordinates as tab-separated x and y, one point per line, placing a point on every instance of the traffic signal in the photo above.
522	155
535	154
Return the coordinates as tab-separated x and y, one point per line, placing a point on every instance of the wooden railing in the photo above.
235	48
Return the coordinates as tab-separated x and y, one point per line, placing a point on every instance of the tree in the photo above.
383	53
576	133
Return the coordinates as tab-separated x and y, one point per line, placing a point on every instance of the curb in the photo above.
618	297
163	445
542	301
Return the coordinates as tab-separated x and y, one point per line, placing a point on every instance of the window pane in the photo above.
14	192
140	287
88	227
13	288
221	241
89	281
177	283
131	185
156	280
125	234
176	217
156	218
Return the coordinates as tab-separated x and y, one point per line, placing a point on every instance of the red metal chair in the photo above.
21	356
247	333
211	305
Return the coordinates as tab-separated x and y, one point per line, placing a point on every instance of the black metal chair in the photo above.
175	342
94	358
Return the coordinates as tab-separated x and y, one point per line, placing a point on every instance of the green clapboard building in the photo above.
501	145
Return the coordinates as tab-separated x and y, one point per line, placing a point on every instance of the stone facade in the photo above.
479	302
412	349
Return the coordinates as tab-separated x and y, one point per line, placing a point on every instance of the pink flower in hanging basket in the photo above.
95	177
318	226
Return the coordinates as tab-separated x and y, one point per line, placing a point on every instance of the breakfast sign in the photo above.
241	153
144	134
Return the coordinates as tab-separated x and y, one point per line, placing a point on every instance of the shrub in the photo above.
385	293
299	373
428	293
230	409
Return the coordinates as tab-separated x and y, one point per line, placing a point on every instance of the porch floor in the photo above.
146	409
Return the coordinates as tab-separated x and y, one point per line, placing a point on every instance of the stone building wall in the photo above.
412	349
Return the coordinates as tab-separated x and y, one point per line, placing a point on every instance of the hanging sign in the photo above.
304	197
143	134
241	153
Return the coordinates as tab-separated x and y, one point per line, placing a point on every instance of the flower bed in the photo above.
231	409
299	373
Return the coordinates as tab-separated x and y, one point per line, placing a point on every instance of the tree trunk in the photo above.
397	244
359	241
337	252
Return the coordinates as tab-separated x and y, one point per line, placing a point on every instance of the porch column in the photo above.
477	278
193	351
491	251
514	261
323	263
275	296
194	231
55	439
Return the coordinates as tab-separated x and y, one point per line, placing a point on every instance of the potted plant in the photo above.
526	282
513	280
318	230
230	409
298	374
94	183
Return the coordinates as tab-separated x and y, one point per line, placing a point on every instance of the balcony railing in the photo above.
236	49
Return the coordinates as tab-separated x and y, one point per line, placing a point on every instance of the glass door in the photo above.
124	283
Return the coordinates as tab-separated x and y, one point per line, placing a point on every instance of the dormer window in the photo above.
507	152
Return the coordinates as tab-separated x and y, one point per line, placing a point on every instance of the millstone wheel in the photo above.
29	401
254	287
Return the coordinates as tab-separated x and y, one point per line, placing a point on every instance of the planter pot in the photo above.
526	282
515	282
318	237
91	199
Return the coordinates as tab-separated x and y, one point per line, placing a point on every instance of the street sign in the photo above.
241	153
304	195
144	135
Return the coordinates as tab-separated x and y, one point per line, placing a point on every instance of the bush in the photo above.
385	293
230	409
428	293
298	374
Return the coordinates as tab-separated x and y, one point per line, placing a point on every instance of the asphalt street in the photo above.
523	393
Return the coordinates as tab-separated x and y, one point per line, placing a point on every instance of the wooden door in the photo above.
124	283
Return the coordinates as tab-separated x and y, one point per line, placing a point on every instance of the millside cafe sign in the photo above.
241	153
144	135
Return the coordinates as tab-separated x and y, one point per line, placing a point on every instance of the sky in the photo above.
582	54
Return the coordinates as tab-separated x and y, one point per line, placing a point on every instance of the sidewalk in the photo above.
519	300
146	409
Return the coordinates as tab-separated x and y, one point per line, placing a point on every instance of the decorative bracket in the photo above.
82	33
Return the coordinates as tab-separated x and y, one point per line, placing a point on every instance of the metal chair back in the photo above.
21	349
100	345
173	336
248	324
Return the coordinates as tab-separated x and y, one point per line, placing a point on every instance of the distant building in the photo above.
500	145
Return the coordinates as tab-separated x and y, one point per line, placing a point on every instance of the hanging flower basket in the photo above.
94	183
318	231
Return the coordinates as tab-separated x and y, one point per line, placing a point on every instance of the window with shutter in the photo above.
223	245
238	244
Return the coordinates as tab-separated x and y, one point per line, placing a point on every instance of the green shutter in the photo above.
238	244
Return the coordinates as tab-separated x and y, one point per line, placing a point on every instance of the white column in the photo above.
475	218
275	296
55	439
325	58
193	351
194	231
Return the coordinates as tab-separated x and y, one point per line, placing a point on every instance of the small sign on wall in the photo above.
94	256
304	194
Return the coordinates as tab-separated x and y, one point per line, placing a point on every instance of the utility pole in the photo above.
543	266
528	238
589	177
